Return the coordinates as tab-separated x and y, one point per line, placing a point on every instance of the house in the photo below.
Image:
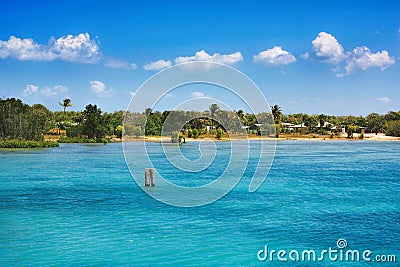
292	127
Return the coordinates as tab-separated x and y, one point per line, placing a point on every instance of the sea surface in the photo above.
79	205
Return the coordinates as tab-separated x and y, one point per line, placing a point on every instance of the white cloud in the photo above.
55	90
73	48
384	99
327	48
79	48
306	55
117	63
336	69
31	89
202	55
197	94
132	94
100	89
24	49
158	65
362	58
274	56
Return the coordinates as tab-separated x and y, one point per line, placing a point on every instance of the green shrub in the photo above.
175	137
26	144
202	131
219	133
351	129
393	128
195	133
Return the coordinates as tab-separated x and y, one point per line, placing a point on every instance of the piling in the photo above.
152	180
149	179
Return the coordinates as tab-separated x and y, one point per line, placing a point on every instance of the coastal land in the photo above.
293	137
24	126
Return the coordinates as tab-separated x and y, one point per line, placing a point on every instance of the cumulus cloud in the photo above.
73	48
100	89
32	89
327	48
384	99
55	90
274	56
117	63
362	58
202	55
197	94
158	65
305	55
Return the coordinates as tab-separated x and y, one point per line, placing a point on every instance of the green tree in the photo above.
119	130
375	123
393	128
277	113
20	121
242	116
93	125
195	133
219	133
148	112
154	124
392	116
65	104
213	108
351	129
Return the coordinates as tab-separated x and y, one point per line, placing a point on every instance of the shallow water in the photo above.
78	204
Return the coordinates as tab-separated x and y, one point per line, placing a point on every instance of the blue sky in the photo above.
339	57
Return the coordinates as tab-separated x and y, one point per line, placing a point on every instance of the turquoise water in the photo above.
78	205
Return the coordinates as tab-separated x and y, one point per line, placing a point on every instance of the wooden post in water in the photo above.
152	179
149	177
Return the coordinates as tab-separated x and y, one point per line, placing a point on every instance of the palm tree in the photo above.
277	113
242	116
148	112
213	108
66	103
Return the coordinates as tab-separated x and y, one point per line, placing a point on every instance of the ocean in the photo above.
79	205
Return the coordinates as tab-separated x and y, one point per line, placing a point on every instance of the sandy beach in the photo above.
367	137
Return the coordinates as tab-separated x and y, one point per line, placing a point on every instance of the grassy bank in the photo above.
27	144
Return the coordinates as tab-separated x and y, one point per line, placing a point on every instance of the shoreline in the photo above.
367	137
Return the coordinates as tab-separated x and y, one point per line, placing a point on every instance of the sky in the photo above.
332	57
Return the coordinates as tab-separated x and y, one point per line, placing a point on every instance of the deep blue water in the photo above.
78	205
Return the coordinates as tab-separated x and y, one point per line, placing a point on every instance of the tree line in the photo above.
388	123
24	122
21	121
